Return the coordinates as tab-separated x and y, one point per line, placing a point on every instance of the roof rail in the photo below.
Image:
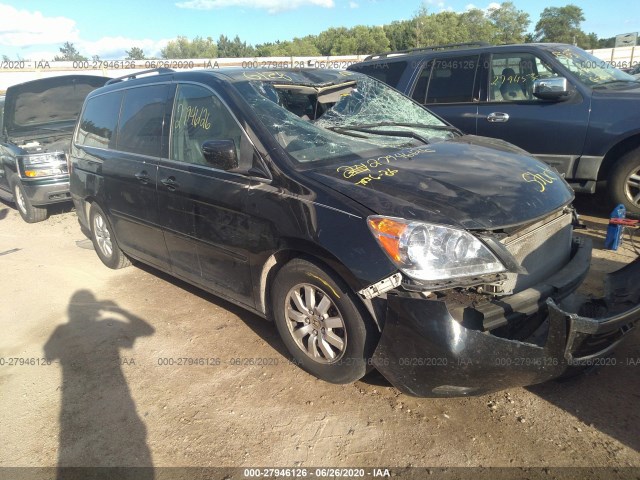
131	76
428	49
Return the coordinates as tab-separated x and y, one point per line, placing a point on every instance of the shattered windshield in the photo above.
592	71
355	116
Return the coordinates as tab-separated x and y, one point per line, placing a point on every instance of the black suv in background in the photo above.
36	127
563	105
370	231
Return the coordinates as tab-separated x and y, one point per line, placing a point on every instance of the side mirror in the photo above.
556	88
220	154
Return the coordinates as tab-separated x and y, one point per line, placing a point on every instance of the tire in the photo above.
624	182
27	211
321	322
104	241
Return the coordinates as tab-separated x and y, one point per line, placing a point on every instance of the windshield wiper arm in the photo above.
449	128
387	133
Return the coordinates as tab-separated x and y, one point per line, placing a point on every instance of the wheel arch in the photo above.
83	218
313	254
615	153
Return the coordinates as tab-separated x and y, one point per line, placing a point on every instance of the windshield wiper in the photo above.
347	130
368	128
427	126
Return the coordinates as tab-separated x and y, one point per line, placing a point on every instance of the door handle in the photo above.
170	183
498	117
143	177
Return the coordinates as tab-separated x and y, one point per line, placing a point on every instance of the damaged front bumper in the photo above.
424	351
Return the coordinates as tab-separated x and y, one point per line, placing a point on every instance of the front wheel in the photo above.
321	323
624	182
104	241
28	212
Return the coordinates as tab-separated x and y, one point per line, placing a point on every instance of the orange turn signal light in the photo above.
388	233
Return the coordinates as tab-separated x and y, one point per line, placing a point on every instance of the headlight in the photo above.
42	165
433	252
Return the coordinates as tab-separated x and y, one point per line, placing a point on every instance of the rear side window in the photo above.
452	80
388	72
99	121
141	129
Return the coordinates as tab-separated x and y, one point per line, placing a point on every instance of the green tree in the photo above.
606	42
273	49
135	53
328	40
478	27
368	40
182	47
561	24
440	28
298	47
69	53
591	41
304	47
358	40
5	58
401	35
234	48
511	24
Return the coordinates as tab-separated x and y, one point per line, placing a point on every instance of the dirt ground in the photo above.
132	368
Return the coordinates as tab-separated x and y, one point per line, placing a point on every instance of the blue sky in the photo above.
35	29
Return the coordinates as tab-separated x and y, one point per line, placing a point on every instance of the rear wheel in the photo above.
320	321
104	241
28	212
624	182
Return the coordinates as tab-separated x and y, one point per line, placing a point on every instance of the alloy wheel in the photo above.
103	236
20	201
315	323
632	187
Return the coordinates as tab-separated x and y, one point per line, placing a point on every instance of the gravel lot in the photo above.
133	368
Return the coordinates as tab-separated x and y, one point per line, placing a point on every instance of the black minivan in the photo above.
373	233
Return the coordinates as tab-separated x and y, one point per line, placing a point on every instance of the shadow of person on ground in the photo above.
99	423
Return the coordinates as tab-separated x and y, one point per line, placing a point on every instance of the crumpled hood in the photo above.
470	182
48	101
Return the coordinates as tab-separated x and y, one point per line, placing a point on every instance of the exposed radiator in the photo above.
542	248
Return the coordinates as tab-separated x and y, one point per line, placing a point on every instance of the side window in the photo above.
512	76
452	80
142	120
198	116
420	90
99	121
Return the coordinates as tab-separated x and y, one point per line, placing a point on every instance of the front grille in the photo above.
542	248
